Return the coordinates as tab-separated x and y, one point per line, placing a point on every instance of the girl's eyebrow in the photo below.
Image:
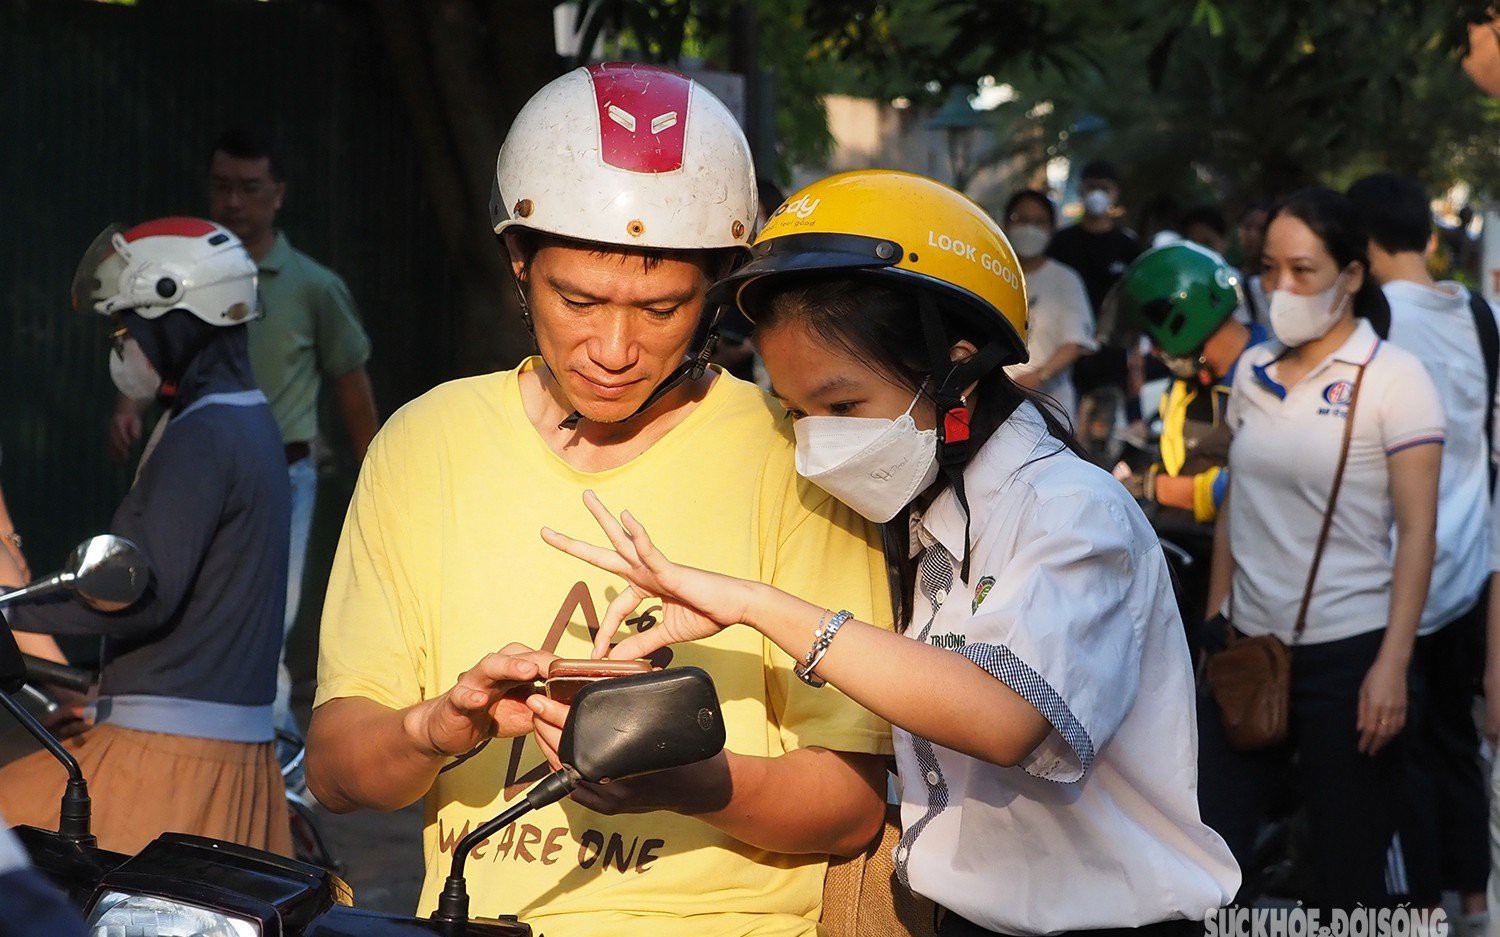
837	382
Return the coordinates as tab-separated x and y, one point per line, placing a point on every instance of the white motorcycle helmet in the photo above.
630	155
169	263
633	156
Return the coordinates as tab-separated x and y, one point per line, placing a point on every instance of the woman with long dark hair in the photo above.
1326	542
1041	691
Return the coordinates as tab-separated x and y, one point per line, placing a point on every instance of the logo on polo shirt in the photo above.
1339	393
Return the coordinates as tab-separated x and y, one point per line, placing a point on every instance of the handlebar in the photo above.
39	670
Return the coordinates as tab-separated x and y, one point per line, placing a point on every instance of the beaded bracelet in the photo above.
821	639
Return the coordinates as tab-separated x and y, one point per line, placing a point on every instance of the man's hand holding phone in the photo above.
482	705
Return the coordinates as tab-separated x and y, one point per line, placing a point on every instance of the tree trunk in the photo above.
464	72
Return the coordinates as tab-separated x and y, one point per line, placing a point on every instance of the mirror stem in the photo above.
38	588
453	902
75	816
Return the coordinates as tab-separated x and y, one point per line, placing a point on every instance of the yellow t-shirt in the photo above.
441	562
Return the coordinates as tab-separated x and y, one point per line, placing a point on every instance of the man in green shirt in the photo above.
310	333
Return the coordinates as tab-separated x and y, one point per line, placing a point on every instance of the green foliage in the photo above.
1240	98
871	48
913	48
1227	98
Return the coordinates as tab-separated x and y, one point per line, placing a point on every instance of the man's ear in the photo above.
517	254
280	191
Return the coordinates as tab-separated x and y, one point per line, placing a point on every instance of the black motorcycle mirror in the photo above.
617	729
110	574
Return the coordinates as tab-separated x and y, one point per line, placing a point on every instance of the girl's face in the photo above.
1297	260
812	377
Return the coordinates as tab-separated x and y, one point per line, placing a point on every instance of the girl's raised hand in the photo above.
695	603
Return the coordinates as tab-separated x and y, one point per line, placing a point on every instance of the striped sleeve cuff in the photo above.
1424	439
1067	753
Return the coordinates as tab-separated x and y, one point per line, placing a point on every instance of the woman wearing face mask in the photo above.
183	739
1041	691
1061	325
1344	588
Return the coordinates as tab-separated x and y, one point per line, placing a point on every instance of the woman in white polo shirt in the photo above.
1041	693
1287	411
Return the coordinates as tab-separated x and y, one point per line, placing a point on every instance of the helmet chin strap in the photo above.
953	407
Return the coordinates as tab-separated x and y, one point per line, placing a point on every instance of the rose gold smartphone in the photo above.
566	677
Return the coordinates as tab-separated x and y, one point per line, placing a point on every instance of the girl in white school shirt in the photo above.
1040	688
1288	410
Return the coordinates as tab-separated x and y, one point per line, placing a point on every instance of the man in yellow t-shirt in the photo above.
443	596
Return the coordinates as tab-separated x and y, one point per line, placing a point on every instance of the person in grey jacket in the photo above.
184	737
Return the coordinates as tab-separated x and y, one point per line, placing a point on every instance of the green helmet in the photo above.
1179	294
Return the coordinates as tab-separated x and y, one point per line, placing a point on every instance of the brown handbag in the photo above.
1251	678
863	898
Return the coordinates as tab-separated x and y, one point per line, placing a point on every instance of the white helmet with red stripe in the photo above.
169	263
630	155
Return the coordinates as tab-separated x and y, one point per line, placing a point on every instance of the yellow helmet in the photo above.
903	229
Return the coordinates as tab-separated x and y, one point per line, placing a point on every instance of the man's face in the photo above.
242	196
610	327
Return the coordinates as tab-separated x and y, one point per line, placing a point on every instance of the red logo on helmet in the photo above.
642	115
176	227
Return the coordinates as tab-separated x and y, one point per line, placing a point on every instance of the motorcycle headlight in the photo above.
117	914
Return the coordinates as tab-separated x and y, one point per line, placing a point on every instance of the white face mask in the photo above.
875	466
1029	240
1097	202
132	372
1298	319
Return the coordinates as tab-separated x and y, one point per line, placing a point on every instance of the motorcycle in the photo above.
200	887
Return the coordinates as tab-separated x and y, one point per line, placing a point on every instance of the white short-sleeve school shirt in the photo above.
1058	314
1070	604
1282	462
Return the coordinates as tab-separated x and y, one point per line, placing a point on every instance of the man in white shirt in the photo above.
1061	321
1437	323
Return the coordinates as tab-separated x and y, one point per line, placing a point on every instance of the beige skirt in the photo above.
143	784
